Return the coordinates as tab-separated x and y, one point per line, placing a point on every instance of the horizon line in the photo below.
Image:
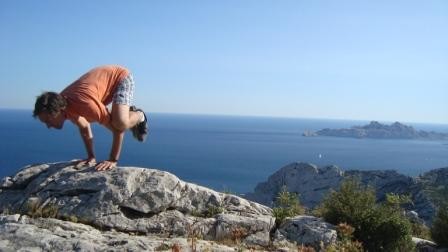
275	117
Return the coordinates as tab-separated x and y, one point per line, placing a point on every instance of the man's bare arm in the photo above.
87	137
115	151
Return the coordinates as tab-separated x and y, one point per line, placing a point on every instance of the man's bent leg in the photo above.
122	118
125	116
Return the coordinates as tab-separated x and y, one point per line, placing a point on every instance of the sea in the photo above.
225	153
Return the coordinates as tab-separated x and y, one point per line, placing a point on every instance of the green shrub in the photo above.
439	229
377	226
388	229
421	231
71	218
351	204
35	209
395	201
345	241
213	210
286	205
209	212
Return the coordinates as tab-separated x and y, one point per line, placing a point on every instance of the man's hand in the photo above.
86	162
106	165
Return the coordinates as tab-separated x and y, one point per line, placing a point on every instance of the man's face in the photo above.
56	122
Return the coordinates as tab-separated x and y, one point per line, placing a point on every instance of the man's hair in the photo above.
49	102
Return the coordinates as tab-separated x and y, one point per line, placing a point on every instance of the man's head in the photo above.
50	109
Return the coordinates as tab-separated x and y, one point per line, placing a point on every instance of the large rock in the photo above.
133	200
435	184
307	231
313	183
307	180
423	245
48	234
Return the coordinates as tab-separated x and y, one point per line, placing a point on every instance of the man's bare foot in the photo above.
140	131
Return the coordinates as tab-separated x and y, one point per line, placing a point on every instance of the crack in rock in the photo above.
133	214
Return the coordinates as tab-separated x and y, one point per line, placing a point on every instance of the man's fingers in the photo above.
86	162
105	165
99	167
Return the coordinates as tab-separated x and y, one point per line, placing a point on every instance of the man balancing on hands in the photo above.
84	102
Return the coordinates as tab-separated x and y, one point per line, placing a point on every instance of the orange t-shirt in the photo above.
91	93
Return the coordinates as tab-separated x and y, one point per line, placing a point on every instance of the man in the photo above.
84	102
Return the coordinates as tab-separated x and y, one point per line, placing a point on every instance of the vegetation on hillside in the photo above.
377	226
286	205
439	229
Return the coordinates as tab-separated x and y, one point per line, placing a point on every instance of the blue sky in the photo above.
365	60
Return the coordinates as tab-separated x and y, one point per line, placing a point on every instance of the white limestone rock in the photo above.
307	180
425	245
47	234
308	231
131	200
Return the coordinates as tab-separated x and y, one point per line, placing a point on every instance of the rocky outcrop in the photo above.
59	207
134	200
435	184
426	246
306	230
307	180
313	183
21	233
382	131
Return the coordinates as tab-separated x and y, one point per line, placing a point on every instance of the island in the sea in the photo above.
380	131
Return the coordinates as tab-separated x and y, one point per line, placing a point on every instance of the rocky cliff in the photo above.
312	183
382	131
59	207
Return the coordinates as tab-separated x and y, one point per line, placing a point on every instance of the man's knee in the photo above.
120	117
120	125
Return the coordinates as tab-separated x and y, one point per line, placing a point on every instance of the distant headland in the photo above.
380	131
